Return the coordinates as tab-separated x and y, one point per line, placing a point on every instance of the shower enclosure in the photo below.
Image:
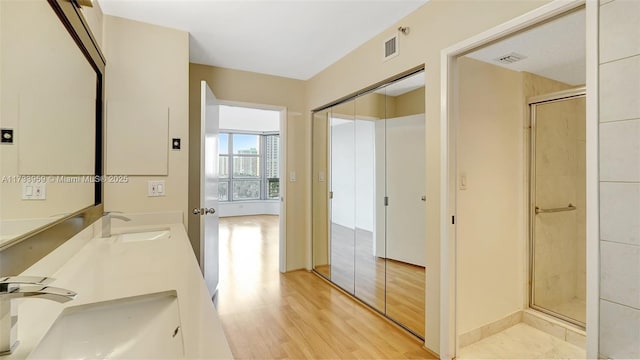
557	206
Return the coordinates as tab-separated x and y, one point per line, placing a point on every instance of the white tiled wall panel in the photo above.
619	30
619	331
620	150
620	212
620	89
620	273
619	165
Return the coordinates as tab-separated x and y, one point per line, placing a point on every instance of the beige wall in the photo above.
434	26
260	89
619	179
491	209
149	64
410	103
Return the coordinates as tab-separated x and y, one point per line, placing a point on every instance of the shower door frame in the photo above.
565	95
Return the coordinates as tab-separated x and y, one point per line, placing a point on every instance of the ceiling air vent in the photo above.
391	47
510	58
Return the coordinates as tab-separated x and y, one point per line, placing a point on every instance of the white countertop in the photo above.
107	269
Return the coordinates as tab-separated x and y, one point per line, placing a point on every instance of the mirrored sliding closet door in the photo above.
368	198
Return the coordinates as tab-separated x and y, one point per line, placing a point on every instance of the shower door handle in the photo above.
569	207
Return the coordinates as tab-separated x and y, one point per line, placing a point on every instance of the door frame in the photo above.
448	166
282	231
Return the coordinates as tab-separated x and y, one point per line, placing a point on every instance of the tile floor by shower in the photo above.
521	341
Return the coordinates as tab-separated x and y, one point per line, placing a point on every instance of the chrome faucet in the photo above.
106	222
23	287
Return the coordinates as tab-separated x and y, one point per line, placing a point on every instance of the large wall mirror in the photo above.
368	197
51	86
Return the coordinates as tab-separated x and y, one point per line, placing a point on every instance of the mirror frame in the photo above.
23	251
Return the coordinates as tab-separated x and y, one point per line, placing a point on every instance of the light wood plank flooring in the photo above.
295	315
392	287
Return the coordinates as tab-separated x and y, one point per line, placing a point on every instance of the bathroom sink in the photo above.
146	236
140	327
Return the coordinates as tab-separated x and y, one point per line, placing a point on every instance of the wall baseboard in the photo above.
532	318
244	208
554	327
489	329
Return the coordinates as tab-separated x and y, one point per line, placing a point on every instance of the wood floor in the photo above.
392	287
295	315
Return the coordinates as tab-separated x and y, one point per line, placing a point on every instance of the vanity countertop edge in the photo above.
107	269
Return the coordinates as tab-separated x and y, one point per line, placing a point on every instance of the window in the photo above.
272	165
249	166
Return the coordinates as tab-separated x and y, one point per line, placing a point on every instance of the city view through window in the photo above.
249	166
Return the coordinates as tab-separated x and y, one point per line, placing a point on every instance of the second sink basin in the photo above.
146	326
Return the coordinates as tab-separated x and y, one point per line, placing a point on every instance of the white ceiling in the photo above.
290	38
248	119
555	50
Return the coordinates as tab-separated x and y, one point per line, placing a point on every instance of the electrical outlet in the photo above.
156	188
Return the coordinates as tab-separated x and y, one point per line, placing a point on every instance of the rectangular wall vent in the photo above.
391	47
510	58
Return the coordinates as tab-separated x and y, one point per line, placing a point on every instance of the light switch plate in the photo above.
175	144
34	191
6	136
156	188
292	177
463	182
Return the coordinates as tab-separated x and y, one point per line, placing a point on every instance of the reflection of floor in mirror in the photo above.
342	255
521	341
296	315
404	282
405	294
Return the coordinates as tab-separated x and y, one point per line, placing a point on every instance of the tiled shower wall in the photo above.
620	179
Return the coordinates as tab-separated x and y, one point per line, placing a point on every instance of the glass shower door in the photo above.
558	217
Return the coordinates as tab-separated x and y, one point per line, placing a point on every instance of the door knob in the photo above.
204	211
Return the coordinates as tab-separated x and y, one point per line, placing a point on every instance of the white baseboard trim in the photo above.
244	208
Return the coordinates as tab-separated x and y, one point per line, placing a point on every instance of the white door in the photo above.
405	159
209	124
